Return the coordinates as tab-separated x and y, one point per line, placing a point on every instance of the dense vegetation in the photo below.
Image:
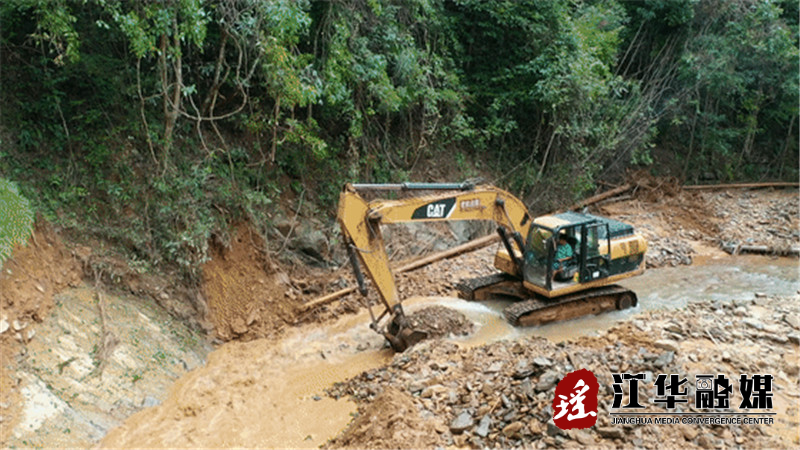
154	123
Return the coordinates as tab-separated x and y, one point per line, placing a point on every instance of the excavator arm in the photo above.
360	221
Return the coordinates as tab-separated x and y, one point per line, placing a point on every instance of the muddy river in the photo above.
723	279
271	394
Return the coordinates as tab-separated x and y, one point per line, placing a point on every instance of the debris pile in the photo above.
439	321
501	394
769	220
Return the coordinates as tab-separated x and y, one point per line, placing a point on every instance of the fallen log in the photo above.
776	184
449	253
600	197
736	249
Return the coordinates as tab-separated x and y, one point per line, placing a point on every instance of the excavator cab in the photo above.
589	237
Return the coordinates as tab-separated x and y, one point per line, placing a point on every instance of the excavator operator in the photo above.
564	254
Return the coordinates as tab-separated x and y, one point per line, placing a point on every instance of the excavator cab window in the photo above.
596	250
538	250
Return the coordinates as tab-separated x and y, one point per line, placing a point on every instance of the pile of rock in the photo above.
750	219
439	321
671	250
501	394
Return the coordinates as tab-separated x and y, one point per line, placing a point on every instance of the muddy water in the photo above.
722	279
271	394
262	394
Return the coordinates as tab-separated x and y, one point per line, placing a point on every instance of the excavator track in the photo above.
539	310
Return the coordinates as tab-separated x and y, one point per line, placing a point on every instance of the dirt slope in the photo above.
28	282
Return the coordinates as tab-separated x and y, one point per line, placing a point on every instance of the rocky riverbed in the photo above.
501	394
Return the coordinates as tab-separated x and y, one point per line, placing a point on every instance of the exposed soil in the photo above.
681	225
28	282
247	296
392	420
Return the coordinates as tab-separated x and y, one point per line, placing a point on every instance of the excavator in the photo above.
603	252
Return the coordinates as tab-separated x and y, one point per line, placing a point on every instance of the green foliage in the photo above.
156	124
16	219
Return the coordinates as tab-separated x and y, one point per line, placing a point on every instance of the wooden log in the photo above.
734	249
449	253
711	187
600	197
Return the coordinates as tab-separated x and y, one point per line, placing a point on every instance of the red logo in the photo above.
575	405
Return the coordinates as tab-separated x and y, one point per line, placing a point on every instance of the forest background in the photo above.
154	125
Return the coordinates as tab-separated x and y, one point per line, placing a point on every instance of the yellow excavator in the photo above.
601	252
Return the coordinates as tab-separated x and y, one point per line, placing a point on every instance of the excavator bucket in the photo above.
400	335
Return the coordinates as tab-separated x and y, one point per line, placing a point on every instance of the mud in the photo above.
390	421
247	295
680	226
263	393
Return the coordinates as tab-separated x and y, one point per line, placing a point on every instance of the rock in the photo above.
526	388
673	327
523	370
19	326
30	334
512	429
793	338
760	295
238	326
535	426
689	432
547	381
552	429
430	391
541	361
667	344
610	432
706	441
496	366
311	242
149	401
582	437
792	320
483	426
461	423
753	323
664	360
3	326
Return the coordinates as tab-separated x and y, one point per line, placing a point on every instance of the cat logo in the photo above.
436	209
439	209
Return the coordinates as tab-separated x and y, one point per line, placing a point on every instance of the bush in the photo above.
16	219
